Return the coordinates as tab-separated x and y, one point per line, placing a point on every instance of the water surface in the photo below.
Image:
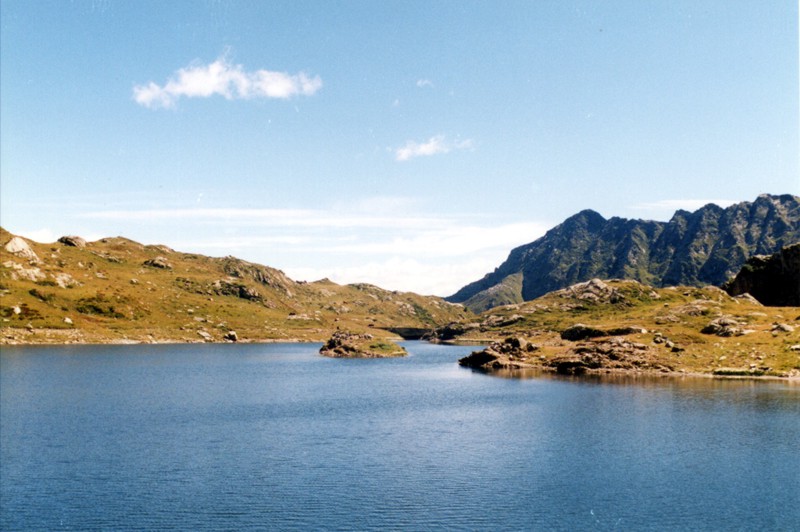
277	437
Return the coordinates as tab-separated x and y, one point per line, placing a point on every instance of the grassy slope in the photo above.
113	296
678	313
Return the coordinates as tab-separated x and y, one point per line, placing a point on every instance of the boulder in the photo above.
19	247
593	290
724	326
782	327
580	331
511	353
158	262
73	241
231	336
227	288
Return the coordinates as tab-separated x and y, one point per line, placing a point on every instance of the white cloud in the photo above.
225	79
451	239
424	83
405	274
407	249
433	146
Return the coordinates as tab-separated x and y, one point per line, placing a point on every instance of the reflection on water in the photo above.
275	436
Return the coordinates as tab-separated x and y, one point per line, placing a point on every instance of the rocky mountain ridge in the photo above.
707	246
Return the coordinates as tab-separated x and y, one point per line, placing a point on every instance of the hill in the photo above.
117	290
708	246
626	326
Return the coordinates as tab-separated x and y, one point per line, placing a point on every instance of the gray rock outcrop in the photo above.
19	247
774	280
158	262
73	241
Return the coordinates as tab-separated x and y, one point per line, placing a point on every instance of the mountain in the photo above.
117	290
773	280
707	246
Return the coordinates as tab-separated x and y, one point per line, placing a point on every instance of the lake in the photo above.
237	437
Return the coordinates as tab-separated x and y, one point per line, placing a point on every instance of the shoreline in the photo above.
512	371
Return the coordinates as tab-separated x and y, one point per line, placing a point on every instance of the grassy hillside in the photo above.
117	290
677	329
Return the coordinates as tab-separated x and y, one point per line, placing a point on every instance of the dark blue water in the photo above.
276	437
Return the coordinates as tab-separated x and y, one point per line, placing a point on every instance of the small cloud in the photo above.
227	80
433	146
424	83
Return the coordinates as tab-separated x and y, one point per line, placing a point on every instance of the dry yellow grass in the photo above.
765	340
113	290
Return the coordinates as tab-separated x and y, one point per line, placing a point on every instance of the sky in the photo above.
408	144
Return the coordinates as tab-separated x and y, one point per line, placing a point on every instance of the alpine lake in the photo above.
277	437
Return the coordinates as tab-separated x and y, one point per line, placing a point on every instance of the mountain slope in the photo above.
117	290
773	280
707	246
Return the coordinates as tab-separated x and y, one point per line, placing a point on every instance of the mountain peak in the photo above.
707	246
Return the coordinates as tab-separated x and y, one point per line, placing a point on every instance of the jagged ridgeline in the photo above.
117	290
704	247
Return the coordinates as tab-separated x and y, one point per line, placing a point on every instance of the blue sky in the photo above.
408	144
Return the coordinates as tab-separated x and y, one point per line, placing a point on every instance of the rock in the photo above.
73	241
748	298
228	288
774	280
724	326
501	321
624	331
19	272
485	359
19	247
158	262
231	336
575	365
64	280
581	332
614	353
344	344
593	290
68	321
205	336
782	327
511	353
450	331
